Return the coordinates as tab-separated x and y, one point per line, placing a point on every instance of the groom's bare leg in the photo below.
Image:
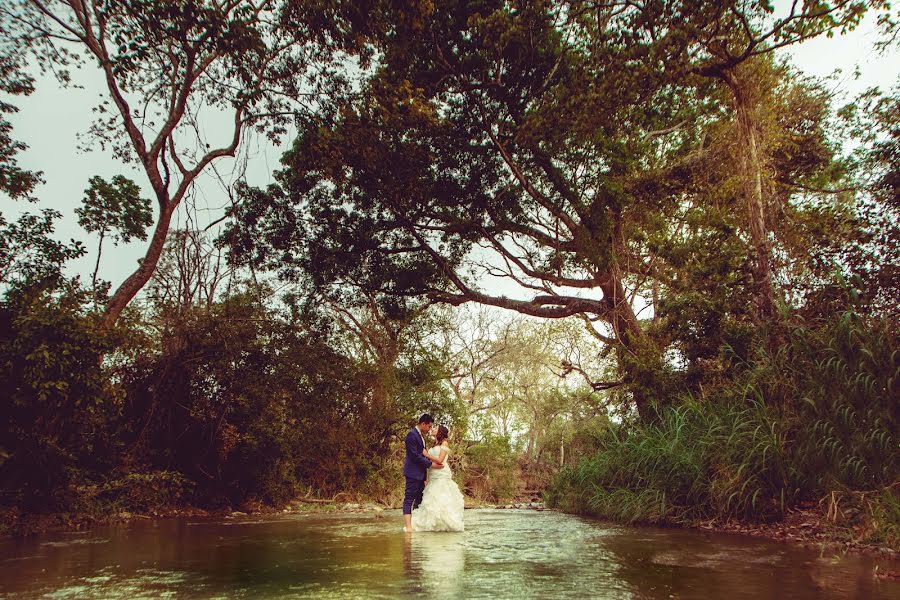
411	497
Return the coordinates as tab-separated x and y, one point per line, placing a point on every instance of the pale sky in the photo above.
50	120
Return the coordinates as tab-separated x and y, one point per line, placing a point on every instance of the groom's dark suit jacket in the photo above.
415	466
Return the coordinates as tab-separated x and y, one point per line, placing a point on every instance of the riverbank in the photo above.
807	527
16	523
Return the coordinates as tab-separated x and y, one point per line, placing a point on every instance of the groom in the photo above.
414	468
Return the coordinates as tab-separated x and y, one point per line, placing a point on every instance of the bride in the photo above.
442	502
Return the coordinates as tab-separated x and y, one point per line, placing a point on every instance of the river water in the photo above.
502	554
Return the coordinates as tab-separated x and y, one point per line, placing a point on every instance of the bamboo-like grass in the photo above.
818	416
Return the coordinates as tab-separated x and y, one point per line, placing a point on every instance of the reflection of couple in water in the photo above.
434	561
432	501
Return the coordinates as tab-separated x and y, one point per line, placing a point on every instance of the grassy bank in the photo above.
811	428
705	463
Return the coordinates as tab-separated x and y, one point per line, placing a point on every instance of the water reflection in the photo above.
434	563
691	564
502	554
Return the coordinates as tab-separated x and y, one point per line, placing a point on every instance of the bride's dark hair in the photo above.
441	434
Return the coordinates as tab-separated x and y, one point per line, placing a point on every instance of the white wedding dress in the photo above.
442	502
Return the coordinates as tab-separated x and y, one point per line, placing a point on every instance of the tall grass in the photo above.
818	415
700	460
846	386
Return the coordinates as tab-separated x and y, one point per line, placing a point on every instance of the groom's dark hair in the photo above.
426	418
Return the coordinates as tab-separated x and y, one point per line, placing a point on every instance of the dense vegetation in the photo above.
234	399
702	242
810	423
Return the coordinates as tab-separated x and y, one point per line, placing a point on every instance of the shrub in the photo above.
57	402
489	470
143	492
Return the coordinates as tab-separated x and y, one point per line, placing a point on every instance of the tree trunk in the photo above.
751	165
137	280
633	343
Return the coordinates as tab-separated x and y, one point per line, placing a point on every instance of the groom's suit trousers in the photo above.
413	496
414	469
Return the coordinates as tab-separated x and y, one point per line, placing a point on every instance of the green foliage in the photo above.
138	491
241	403
14	181
817	416
885	509
701	460
57	402
602	155
213	400
115	207
29	257
589	148
872	118
844	381
875	258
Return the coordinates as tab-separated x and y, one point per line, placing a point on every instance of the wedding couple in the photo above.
432	501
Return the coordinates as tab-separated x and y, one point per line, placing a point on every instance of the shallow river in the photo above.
502	554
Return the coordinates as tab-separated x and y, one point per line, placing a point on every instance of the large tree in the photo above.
485	129
172	68
565	148
721	40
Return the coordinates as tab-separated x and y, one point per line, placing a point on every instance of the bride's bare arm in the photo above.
436	463
440	459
